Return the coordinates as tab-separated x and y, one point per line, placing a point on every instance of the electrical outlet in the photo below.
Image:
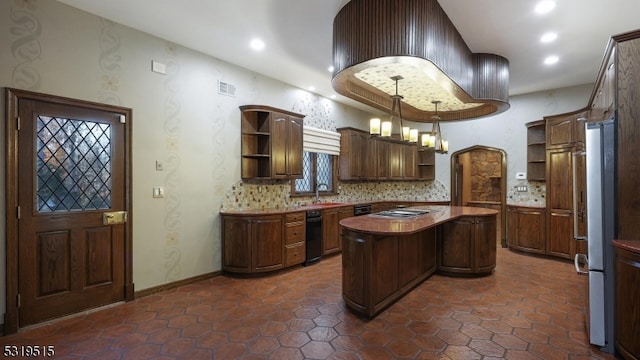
521	176
159	165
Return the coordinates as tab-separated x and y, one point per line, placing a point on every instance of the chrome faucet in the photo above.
318	191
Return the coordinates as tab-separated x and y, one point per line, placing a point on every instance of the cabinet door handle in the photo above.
576	212
576	262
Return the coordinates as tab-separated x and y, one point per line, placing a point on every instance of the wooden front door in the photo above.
68	240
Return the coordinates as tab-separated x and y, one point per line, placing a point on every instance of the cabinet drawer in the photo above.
294	254
294	217
294	233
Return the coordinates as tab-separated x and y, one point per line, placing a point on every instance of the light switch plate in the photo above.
158	192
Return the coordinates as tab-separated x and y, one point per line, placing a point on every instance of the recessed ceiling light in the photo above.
550	60
548	37
257	44
545	6
331	68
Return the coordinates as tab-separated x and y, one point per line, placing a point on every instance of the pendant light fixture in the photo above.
435	139
384	128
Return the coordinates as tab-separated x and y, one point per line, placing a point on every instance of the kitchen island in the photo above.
385	255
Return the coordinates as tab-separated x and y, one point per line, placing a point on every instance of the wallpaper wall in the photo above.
183	124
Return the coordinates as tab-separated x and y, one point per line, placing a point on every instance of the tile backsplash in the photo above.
244	195
534	196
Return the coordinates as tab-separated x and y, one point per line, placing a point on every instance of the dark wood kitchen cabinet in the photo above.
604	98
380	161
467	246
565	130
286	156
294	238
627	303
560	212
365	158
555	152
353	162
380	269
331	241
396	161
403	161
410	163
560	131
271	143
526	229
252	243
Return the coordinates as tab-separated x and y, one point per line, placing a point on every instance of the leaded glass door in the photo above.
72	179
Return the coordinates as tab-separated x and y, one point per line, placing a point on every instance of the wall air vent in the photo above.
226	88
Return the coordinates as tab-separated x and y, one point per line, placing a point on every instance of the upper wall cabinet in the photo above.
354	164
271	143
365	158
565	130
604	104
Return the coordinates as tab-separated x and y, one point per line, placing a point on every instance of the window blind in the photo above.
321	141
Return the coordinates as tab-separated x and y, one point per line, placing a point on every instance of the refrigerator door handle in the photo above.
576	212
580	270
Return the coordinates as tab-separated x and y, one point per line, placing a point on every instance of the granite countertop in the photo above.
381	225
629	245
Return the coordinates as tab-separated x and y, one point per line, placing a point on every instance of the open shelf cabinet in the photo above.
256	144
536	151
426	163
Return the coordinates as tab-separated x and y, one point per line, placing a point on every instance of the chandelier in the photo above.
384	128
434	139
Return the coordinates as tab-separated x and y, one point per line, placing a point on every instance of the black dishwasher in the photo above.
313	237
361	209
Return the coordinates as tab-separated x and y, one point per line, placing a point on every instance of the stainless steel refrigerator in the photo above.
599	264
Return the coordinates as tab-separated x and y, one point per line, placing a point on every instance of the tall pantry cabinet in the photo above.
565	164
618	93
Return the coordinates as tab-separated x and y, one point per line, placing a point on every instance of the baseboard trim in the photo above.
175	284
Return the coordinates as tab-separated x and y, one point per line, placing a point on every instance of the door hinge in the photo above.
18	300
18	123
18	212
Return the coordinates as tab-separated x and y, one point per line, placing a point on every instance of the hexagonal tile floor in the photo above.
530	308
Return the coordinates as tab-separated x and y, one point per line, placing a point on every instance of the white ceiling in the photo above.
298	34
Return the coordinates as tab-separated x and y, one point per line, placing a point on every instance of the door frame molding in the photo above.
11	193
503	184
